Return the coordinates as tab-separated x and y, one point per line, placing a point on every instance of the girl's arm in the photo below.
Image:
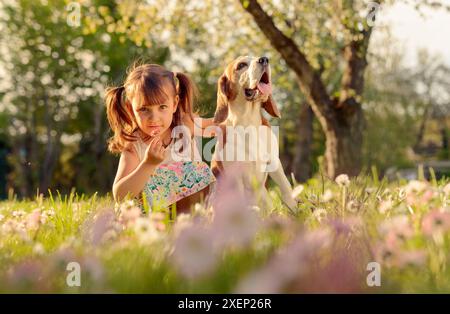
205	122
131	176
200	125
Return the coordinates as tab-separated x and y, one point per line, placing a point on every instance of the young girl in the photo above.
142	114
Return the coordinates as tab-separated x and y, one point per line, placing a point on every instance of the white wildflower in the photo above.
18	213
199	209
327	195
353	206
342	180
146	231
320	214
385	206
38	249
416	186
297	191
447	189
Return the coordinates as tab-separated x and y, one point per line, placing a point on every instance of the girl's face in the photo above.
153	119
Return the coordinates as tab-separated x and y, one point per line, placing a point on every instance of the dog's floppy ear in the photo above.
271	107
225	93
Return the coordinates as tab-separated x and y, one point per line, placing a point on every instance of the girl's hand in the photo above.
155	152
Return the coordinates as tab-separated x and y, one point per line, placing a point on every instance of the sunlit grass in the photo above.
341	226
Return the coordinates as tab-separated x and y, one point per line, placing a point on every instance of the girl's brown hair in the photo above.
148	81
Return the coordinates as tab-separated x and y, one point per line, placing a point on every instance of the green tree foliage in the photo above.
53	88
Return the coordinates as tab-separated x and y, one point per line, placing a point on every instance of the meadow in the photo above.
342	229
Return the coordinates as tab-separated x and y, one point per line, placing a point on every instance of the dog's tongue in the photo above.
265	89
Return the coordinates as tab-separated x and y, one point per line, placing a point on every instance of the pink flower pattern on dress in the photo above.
177	180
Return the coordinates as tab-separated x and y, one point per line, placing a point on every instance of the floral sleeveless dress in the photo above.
177	177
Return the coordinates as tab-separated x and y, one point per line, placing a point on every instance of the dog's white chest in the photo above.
253	148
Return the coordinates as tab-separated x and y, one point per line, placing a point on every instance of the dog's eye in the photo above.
241	65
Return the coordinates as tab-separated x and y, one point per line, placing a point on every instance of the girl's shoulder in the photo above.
132	147
131	152
138	146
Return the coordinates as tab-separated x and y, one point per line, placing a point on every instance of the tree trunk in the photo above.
50	161
444	140
421	132
99	149
29	162
302	155
341	119
344	145
285	155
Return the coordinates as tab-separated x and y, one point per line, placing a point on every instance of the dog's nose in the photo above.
264	60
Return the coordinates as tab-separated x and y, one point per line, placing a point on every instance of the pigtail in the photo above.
187	91
119	118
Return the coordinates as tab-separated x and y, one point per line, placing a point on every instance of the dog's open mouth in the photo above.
264	87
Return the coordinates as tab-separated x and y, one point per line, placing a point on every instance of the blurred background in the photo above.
362	86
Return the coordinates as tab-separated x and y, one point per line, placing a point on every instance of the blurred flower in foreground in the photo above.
38	248
327	195
193	254
385	206
94	268
200	209
96	227
436	222
18	213
62	257
183	220
129	212
287	266
419	193
391	256
416	186
146	231
415	258
235	225
28	275
352	224
278	223
353	206
396	230
33	219
320	214
447	189
158	219
384	254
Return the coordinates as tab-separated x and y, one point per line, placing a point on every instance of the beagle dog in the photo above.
243	89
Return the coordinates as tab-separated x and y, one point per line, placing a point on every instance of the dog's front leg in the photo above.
286	190
265	200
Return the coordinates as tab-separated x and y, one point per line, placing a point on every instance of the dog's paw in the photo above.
291	203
